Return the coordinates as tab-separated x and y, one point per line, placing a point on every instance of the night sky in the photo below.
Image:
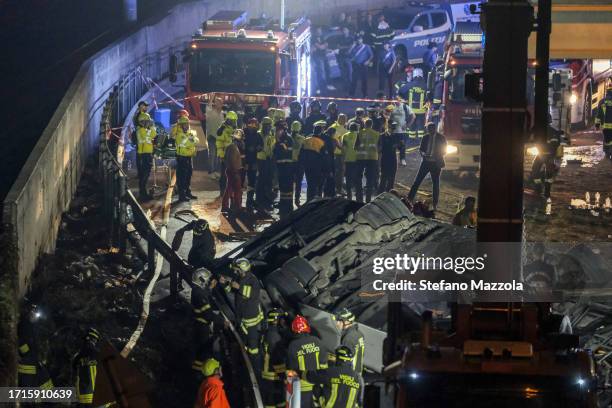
44	42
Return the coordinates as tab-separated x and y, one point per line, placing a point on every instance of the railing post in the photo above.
150	254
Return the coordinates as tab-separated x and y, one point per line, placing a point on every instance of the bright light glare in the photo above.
533	150
451	149
414	375
573	98
580	381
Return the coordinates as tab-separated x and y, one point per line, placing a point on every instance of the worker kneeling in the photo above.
340	382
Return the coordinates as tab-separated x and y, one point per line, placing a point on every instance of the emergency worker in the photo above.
298	142
305	353
251	143
367	148
313	117
85	365
341	130
312	156
186	141
248	307
604	121
264	166
145	135
233	172
283	157
350	159
341	383
31	372
224	139
274	349
206	322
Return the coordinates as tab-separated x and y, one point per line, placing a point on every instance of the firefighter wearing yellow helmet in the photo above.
145	137
186	141
224	139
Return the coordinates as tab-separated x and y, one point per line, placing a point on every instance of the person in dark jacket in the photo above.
341	382
386	66
361	56
312	158
313	117
206	323
305	353
283	157
252	140
295	114
85	365
329	180
390	144
274	345
432	149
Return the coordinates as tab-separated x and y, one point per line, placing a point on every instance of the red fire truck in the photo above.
231	56
460	117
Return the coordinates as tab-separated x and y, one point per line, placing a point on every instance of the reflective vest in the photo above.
348	143
145	137
366	146
263	154
224	140
313	144
87	370
298	141
269	143
186	143
604	116
416	99
340	131
306	353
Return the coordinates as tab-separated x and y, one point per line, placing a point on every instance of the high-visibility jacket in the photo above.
86	369
274	354
416	98
145	138
248	305
31	372
604	116
306	353
366	145
212	394
341	386
269	143
264	153
186	143
340	131
298	142
348	145
353	339
313	144
224	139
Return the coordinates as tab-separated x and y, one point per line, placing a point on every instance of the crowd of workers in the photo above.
283	349
354	157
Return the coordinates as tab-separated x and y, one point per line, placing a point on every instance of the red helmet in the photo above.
183	112
300	325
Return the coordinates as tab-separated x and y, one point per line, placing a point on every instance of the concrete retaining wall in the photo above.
47	182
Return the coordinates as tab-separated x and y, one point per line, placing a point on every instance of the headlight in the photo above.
451	149
533	150
573	98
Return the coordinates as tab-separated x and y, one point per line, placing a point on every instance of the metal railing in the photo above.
120	206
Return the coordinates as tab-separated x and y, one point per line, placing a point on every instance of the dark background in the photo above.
43	44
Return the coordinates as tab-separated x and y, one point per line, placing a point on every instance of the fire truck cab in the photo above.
460	116
246	62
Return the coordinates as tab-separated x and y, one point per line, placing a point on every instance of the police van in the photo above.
417	25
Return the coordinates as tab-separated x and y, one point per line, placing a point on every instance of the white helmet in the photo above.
417	73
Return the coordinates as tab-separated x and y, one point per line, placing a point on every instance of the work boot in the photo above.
191	195
183	199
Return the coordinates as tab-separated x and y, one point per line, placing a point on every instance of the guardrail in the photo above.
121	208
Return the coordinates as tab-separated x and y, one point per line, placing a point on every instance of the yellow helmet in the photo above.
231	115
183	120
210	366
296	126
